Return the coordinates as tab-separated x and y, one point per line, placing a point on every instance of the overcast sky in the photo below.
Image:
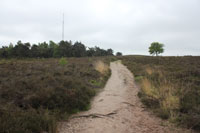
128	26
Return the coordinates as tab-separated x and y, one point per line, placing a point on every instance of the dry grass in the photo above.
170	86
170	99
148	89
101	67
165	94
149	70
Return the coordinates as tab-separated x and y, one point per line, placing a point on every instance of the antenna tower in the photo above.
63	27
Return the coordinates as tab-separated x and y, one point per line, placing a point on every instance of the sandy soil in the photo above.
117	109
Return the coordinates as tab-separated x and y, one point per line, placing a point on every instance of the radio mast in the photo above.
63	27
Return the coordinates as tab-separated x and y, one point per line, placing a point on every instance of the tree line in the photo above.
52	49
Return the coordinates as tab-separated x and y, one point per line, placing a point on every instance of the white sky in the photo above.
128	26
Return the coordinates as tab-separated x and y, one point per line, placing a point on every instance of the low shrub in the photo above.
169	85
35	94
63	61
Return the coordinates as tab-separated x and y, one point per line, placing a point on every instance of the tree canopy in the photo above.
118	54
156	48
51	49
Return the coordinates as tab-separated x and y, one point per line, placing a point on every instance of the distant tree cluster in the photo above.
51	49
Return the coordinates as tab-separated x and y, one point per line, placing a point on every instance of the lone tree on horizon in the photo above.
118	54
156	48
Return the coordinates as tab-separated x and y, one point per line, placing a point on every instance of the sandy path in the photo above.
116	109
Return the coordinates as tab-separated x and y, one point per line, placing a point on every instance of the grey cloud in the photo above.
124	25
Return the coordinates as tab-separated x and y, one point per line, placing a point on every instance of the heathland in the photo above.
36	93
170	86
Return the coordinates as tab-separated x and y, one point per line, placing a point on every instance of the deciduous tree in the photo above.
156	48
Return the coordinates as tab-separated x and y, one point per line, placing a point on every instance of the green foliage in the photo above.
63	61
51	49
138	78
118	54
170	86
156	48
64	49
36	93
96	51
96	83
79	50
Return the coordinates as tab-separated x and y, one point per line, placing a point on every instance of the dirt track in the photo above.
117	109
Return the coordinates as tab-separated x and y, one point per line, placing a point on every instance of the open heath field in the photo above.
36	93
170	86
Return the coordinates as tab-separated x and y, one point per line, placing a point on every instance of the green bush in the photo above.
63	61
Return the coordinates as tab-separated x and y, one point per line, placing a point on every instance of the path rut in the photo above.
117	109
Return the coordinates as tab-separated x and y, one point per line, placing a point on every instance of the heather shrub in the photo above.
170	86
36	93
